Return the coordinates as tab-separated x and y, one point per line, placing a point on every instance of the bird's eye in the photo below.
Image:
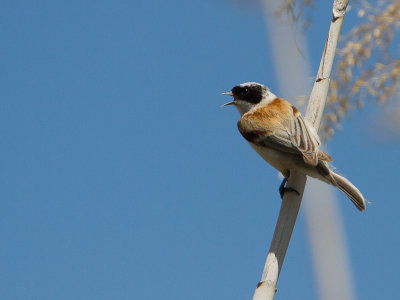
245	91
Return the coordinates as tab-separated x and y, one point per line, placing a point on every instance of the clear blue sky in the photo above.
122	178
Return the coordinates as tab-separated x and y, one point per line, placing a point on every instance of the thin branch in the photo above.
266	289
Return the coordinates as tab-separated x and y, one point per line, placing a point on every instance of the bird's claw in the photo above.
288	189
283	188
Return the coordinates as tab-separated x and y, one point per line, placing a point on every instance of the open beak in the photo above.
229	103
229	94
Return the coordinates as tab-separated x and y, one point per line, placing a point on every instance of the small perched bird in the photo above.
283	138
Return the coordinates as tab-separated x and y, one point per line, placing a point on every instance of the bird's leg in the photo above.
283	188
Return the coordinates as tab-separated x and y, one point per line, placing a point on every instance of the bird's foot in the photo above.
283	188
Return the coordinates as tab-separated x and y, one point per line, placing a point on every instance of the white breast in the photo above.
279	160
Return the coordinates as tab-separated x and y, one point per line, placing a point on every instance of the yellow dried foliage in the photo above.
365	69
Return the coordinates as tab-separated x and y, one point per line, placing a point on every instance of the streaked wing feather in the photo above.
300	140
307	142
278	142
293	135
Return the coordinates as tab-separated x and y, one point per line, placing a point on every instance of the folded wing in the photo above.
280	126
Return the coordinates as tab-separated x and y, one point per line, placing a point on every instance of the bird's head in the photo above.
248	95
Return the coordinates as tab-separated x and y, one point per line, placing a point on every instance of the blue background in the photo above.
122	178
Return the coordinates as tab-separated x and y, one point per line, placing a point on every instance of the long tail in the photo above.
350	190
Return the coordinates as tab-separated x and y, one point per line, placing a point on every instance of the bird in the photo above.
278	132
